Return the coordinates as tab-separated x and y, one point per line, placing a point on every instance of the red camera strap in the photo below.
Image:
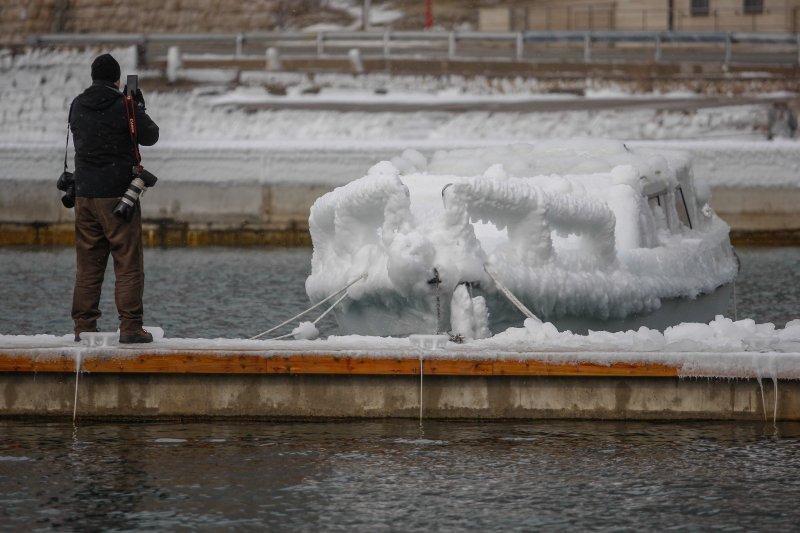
66	144
130	111
66	149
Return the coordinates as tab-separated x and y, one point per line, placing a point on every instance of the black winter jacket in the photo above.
104	153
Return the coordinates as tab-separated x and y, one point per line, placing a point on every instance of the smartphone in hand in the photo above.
132	84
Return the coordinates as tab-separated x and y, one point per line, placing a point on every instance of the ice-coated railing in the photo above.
530	214
438	44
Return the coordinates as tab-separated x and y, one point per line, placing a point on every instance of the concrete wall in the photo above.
203	395
759	209
272	189
572	15
212	205
494	19
260	189
20	18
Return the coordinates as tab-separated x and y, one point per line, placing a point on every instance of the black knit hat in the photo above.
105	68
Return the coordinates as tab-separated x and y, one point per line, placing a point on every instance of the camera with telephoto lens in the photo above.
66	183
142	179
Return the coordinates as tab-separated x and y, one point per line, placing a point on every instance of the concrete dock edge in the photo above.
152	386
154	396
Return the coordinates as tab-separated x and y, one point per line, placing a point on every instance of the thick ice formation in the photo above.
720	336
469	316
575	229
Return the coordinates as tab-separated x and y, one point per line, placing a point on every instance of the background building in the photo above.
19	18
653	15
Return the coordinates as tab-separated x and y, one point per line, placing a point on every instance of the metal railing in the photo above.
485	46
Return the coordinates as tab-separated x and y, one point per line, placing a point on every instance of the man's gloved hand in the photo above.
139	97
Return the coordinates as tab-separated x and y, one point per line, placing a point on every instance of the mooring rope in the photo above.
334	295
320	317
328	310
508	294
738	271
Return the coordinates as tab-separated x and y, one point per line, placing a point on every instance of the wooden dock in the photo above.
409	365
147	383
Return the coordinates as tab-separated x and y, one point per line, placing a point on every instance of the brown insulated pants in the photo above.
99	232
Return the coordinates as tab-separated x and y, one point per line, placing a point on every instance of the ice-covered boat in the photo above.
585	234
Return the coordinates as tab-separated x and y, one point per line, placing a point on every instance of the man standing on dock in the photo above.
104	159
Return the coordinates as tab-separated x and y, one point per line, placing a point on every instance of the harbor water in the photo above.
370	475
392	476
236	293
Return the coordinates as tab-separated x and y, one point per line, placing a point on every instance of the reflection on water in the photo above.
388	475
229	292
768	286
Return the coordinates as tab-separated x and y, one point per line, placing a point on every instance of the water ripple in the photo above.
385	475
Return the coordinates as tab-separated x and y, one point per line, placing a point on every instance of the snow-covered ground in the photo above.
727	143
722	348
380	14
37	114
36	89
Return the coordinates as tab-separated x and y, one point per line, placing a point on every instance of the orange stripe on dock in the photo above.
217	363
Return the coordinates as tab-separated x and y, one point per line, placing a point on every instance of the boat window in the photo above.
654	202
682	209
657	203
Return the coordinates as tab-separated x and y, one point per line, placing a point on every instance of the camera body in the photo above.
142	179
66	183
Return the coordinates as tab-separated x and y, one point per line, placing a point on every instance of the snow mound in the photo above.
720	336
305	331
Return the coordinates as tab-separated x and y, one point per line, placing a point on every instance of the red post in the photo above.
428	14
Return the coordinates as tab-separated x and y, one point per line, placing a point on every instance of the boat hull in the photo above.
370	319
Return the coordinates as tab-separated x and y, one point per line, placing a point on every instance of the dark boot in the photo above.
79	331
139	336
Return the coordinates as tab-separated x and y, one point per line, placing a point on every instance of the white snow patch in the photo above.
305	331
37	87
